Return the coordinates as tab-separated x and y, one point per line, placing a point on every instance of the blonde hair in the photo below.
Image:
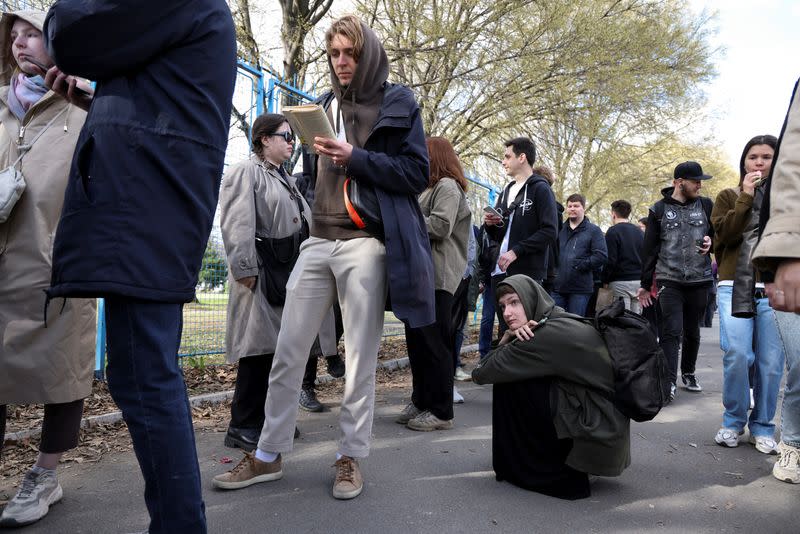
350	27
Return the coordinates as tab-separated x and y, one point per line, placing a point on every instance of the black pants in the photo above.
60	427
430	353
681	308
459	316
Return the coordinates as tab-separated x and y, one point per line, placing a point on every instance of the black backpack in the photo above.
641	374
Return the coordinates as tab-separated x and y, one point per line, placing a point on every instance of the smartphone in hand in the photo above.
34	61
491	211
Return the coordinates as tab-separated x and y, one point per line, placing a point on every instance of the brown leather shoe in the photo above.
250	470
348	483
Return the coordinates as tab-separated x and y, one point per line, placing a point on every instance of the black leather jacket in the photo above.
673	228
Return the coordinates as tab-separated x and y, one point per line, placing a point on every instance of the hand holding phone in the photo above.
492	217
39	65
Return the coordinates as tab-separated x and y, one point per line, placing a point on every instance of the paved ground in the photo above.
680	481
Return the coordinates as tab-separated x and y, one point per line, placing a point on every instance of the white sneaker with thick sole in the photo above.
764	444
727	437
39	490
461	375
787	468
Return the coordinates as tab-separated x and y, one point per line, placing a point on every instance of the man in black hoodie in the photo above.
676	246
528	227
624	243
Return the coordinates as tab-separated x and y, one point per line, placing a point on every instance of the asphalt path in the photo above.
442	482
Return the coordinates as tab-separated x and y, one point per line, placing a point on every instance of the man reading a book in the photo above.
380	145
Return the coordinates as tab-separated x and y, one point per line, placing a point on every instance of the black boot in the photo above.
308	400
243	438
335	365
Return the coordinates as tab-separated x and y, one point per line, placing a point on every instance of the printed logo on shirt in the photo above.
671	215
526	205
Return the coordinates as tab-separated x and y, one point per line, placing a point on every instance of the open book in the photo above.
307	122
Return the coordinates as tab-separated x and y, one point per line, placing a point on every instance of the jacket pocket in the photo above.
83	162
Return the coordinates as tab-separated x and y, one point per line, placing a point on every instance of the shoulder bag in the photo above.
12	182
278	256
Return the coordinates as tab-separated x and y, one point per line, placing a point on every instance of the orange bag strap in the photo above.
351	210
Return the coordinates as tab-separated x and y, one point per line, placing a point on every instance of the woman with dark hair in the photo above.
259	203
748	328
45	358
430	348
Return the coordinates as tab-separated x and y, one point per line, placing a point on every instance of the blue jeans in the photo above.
572	302
749	342
487	320
789	328
147	384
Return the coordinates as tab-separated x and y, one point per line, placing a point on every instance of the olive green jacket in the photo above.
568	349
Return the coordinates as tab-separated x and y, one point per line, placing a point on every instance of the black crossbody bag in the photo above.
278	256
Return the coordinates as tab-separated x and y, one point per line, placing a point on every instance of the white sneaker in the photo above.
787	468
764	444
39	490
727	437
461	375
457	397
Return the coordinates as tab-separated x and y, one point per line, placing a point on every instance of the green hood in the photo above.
537	303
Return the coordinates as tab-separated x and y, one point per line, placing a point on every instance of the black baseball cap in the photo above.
690	170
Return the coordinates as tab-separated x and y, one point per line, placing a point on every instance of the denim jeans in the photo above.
789	328
147	384
572	302
749	342
487	320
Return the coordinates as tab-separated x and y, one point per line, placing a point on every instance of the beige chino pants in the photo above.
355	269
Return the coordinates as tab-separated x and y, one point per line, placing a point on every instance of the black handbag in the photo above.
363	207
277	256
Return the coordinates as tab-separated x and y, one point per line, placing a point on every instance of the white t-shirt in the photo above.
513	191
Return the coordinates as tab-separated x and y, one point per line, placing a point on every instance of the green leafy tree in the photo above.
214	271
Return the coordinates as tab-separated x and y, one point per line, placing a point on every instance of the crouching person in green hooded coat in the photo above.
553	417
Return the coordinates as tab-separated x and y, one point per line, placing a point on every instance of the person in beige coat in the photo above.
430	348
779	253
50	361
258	199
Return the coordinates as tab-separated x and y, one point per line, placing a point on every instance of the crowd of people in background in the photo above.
302	260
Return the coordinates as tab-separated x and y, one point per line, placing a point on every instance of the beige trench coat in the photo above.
38	364
781	237
253	201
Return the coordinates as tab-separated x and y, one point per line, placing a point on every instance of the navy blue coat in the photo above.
395	160
582	252
145	177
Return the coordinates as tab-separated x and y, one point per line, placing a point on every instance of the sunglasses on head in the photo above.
287	136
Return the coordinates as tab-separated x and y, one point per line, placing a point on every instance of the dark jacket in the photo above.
395	160
624	242
581	253
568	349
533	230
669	248
145	177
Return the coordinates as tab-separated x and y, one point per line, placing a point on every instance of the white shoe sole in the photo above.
792	476
35	514
222	484
446	425
344	495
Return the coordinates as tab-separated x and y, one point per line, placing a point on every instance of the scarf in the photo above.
25	92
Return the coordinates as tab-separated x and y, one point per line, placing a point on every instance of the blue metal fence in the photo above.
204	319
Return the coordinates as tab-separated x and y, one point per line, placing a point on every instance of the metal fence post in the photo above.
100	341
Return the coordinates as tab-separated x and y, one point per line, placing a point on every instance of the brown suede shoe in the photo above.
250	470
348	483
